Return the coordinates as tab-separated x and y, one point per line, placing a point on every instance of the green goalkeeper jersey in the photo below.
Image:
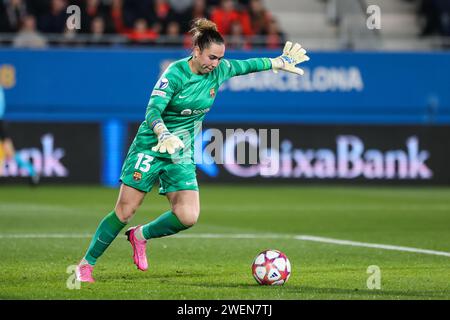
182	98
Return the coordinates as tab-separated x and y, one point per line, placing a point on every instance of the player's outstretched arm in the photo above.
293	54
167	142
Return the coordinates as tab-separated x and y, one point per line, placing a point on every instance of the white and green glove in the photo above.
292	55
167	142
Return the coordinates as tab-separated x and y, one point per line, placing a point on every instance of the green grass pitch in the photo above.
45	230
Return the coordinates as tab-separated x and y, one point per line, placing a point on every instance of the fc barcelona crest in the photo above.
137	176
212	93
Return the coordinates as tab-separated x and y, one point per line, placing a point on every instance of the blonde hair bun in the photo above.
202	24
204	32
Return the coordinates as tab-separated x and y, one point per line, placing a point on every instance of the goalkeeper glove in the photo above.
292	55
166	140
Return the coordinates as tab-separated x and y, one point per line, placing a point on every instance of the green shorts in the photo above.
141	170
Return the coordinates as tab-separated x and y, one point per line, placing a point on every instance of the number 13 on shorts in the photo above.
143	162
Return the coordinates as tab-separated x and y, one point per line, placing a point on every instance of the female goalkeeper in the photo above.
162	146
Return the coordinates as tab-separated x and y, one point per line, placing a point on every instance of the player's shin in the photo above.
107	231
165	225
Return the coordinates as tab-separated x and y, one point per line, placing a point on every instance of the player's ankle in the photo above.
138	233
84	261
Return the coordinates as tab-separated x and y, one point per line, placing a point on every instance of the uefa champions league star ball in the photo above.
271	267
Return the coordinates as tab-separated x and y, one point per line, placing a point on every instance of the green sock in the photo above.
165	225
107	231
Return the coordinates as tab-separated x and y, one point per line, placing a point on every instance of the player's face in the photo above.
210	57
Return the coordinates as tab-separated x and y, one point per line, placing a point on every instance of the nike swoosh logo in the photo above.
182	97
189	183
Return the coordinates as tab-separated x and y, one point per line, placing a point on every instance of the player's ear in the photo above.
196	52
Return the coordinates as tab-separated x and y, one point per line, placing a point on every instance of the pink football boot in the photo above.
83	273
139	256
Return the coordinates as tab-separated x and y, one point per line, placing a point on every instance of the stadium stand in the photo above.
317	24
39	23
341	24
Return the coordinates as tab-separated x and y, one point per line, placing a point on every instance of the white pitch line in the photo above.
371	245
243	236
43	235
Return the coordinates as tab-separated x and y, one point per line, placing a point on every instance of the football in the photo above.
271	267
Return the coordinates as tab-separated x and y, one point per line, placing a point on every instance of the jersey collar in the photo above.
189	71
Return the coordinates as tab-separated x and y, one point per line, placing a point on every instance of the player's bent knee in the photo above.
189	221
188	216
125	212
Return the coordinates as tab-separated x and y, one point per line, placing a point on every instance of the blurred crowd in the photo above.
436	14
34	23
